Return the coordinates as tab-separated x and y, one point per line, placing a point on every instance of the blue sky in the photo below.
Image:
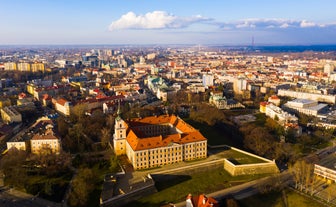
168	22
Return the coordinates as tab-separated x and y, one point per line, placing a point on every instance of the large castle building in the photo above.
158	140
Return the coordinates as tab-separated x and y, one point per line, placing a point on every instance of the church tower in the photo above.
119	137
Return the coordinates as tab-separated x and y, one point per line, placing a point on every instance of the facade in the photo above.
24	67
47	141
239	85
285	119
207	80
325	172
325	167
4	102
63	106
35	67
17	145
275	100
305	106
158	140
10	66
310	96
10	114
220	101
277	113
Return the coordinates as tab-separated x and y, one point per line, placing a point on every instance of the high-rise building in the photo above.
24	67
239	85
35	67
10	66
328	68
207	80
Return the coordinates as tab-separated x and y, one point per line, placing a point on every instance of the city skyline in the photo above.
168	22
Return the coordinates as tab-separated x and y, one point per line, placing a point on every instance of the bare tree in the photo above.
105	136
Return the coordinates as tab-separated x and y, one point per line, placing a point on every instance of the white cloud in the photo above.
305	23
272	24
154	20
284	25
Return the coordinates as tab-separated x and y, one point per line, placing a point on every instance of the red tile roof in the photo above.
188	135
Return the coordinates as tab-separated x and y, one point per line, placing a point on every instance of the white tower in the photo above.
119	137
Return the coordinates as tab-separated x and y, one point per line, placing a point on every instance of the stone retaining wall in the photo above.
268	166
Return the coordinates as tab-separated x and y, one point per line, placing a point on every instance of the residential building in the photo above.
275	100
18	145
10	66
24	67
10	114
288	121
46	142
311	96
63	106
326	167
158	140
4	102
36	67
220	101
208	80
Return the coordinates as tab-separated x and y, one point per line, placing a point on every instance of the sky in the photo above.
221	22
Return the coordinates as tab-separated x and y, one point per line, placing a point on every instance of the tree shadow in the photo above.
163	181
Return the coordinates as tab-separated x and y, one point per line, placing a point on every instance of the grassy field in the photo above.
274	199
239	158
177	187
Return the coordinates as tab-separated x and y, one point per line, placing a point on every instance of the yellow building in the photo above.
45	143
10	114
10	66
17	145
158	140
31	88
262	106
4	102
36	67
24	67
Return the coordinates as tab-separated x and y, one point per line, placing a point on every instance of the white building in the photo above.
305	106
207	80
310	96
17	145
46	141
239	85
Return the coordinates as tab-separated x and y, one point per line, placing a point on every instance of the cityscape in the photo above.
167	104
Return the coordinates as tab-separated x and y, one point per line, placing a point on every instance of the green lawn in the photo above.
239	158
274	199
175	189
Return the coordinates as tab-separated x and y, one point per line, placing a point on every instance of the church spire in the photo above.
118	111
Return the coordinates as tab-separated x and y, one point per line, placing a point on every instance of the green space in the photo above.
275	199
260	119
177	187
239	158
